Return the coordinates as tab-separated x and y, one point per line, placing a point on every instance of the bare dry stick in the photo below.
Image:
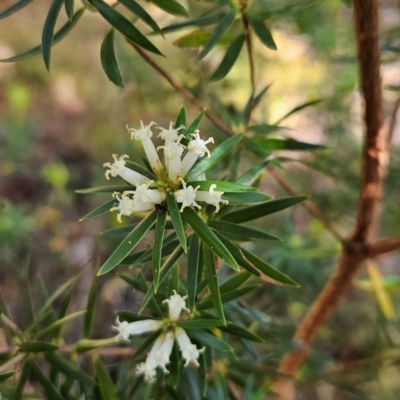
355	250
384	246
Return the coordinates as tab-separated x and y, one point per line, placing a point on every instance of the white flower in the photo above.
118	168
196	148
126	329
173	152
189	350
145	195
127	205
165	351
186	196
211	197
144	134
170	134
176	303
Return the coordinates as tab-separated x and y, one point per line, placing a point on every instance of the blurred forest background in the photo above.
57	130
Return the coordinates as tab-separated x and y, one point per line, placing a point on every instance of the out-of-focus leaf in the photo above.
270	144
90	305
107	389
192	270
37	347
58	323
222	186
219	30
252	174
88	345
225	226
298	108
171	7
260	210
129	243
109	60
22	379
264	129
239	331
103	209
201	21
58	36
253	103
200	323
141	13
262	32
69	8
176	219
6	375
209	237
254	148
105	189
122	25
158	245
229	59
234	282
51	390
215	155
14	8
246	198
69	368
209	340
389	282
194	39
146	344
48	31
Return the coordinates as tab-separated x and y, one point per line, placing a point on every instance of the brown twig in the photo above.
355	250
384	246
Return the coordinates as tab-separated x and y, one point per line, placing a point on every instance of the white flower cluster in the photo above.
162	348
178	160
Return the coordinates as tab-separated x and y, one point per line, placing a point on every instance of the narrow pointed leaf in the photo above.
176	219
252	174
253	102
6	375
230	227
209	339
104	189
270	144
58	323
265	129
195	124
204	20
219	30
210	270
37	347
158	245
209	237
262	32
138	168
192	270
222	186
69	8
200	323
146	344
234	282
239	331
131	316
90	305
14	8
298	108
109	60
171	7
51	390
181	118
246	198
216	155
145	289
22	379
254	148
260	210
141	13
58	36
107	389
229	59
121	24
103	209
48	30
129	243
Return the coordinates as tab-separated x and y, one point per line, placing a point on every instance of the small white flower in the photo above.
211	197
126	329
144	134
176	303
165	351
189	350
196	148
118	168
171	134
186	196
127	205
173	152
148	370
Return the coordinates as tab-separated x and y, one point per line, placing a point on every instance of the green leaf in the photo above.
209	237
201	21
109	60
138	168
195	125
176	219
200	323
103	209
252	174
145	289
181	118
58	36
141	13
14	8
6	375
129	243
146	344
298	108
262	32
158	246
130	316
22	379
254	148
88	345
270	144
195	39
246	198
105	189
58	323
69	8
51	390
90	305
48	31
122	25
37	347
192	270
171	7
260	210
230	227
222	186
264	129
209	339
215	155
219	30
68	368
229	59
234	282
107	389
254	102
239	331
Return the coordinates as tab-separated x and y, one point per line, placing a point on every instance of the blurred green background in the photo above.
56	131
